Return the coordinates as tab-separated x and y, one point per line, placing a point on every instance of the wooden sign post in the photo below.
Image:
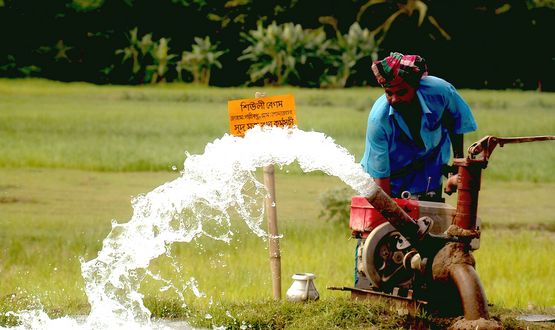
265	111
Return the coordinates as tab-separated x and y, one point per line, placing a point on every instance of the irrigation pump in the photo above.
419	254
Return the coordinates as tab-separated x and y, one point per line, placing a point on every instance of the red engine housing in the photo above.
364	217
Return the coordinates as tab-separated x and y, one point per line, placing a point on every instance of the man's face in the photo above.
400	94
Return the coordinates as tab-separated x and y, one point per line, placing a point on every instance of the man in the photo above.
412	127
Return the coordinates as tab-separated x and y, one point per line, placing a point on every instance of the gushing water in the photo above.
211	188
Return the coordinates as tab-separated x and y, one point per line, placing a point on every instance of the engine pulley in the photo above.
383	256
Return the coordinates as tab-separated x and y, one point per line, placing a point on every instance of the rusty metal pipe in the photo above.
468	186
473	297
414	231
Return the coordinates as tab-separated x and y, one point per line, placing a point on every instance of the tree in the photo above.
276	51
149	58
346	50
200	60
137	50
406	7
161	60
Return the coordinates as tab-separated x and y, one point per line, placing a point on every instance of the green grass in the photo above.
329	313
515	267
72	155
82	126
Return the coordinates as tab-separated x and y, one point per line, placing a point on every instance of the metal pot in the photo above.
303	288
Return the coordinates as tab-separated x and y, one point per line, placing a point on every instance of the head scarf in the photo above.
409	68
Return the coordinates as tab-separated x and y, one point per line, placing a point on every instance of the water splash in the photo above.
211	188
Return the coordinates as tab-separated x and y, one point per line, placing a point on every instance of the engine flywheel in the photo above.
382	258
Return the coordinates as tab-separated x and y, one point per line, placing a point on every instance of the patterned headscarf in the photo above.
409	68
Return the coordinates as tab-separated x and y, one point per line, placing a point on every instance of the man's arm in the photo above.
458	119
385	184
457	143
375	160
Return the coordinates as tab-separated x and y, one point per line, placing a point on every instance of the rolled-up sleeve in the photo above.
462	118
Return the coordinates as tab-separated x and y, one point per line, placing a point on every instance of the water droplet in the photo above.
228	314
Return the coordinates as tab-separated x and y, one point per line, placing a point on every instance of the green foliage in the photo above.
234	12
136	50
61	50
403	7
26	71
156	71
200	60
239	15
188	3
277	51
336	205
94	29
541	3
86	5
345	51
150	59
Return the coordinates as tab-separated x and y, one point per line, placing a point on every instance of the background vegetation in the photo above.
493	44
73	154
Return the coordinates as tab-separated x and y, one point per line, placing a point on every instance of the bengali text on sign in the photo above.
276	110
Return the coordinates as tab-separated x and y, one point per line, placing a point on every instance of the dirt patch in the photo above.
12	200
7	187
483	324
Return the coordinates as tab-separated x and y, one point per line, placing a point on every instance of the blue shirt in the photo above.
390	147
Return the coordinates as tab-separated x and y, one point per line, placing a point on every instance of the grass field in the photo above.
72	155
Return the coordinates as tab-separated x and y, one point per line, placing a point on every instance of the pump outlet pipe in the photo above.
413	230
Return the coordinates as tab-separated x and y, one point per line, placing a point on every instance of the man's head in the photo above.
400	94
400	75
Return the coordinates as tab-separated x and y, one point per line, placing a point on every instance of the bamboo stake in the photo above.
273	241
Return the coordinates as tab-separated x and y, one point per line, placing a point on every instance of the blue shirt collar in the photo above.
425	119
423	104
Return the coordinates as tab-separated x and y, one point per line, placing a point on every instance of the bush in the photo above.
336	205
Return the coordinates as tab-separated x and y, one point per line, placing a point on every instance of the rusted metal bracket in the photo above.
404	304
395	294
482	149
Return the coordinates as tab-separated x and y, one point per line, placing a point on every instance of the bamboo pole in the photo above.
273	241
271	213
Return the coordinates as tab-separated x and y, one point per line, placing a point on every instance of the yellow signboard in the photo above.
276	110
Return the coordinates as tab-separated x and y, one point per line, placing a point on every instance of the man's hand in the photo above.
451	184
